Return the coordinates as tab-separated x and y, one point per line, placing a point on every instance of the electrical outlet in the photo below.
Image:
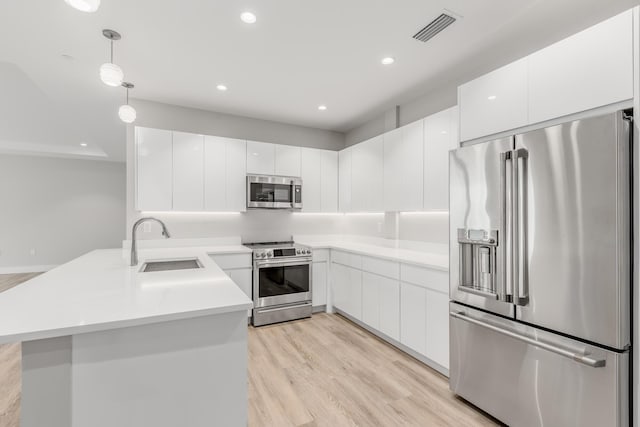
32	251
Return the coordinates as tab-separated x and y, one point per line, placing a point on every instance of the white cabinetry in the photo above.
347	289
188	172
287	160
344	180
403	168
413	320
381	304
329	186
320	271
589	69
367	176
495	102
440	136
319	172
261	158
437	327
154	170
239	269
224	174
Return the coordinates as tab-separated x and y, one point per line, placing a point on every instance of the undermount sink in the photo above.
168	265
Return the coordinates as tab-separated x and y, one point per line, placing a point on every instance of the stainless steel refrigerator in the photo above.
540	274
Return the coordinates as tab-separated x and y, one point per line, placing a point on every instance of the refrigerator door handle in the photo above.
519	269
580	358
505	288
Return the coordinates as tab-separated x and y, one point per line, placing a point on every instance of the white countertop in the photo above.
100	291
424	258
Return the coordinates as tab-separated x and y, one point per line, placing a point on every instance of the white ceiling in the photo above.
298	55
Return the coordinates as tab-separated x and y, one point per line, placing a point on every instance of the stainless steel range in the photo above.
281	282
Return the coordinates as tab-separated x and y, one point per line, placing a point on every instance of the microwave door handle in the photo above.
519	220
583	358
505	291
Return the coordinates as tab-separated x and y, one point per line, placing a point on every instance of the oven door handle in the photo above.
274	263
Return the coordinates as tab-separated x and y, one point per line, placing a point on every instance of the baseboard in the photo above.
319	308
436	366
26	269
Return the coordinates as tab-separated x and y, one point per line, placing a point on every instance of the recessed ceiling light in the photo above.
248	17
388	60
322	107
444	132
83	144
221	88
491	97
84	5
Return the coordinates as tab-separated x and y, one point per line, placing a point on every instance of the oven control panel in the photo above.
282	252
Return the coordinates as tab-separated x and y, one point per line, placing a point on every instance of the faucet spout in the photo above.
134	249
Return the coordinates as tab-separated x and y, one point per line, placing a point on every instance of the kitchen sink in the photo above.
168	265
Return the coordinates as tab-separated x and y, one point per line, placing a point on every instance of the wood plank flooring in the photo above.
323	371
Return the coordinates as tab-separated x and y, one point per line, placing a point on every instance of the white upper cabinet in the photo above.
188	172
329	185
587	70
261	158
440	136
154	160
319	172
495	102
344	179
287	160
403	168
367	175
311	166
225	174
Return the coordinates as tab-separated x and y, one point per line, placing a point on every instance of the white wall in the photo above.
62	208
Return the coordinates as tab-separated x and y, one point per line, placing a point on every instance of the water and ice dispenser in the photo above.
478	250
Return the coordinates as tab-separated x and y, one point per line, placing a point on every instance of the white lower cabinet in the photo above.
347	289
413	317
381	304
242	278
438	328
239	269
319	283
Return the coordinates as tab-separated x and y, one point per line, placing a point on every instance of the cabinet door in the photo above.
389	295
413	321
495	102
287	160
587	70
371	299
242	277
437	328
438	133
344	180
154	160
188	172
412	166
392	167
236	175
319	283
215	173
329	187
339	286
261	158
368	176
354	303
311	168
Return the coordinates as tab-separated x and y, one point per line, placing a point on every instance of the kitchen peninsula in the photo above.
107	344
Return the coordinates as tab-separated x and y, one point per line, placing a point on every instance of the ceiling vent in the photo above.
434	27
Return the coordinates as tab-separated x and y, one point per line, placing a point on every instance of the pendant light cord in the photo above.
112	51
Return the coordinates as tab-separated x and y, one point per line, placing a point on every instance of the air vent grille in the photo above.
434	27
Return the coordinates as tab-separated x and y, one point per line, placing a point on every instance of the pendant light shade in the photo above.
84	5
126	112
111	74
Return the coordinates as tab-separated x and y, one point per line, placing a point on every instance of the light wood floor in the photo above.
323	371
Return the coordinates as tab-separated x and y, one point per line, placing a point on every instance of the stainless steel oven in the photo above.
274	192
282	282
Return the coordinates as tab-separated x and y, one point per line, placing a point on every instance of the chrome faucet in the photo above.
134	250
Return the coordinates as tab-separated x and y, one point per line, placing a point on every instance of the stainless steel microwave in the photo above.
274	192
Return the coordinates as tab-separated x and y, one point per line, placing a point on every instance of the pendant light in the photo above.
110	73
126	112
84	5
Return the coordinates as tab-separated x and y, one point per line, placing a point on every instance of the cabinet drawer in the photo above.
346	258
427	278
382	267
226	261
320	255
